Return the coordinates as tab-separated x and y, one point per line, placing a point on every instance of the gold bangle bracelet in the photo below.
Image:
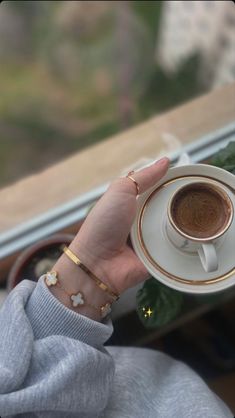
78	262
77	300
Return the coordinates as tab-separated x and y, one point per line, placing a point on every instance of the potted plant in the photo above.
37	259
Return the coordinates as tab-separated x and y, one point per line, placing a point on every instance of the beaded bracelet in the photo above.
51	279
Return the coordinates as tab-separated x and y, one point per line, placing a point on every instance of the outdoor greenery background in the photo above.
73	73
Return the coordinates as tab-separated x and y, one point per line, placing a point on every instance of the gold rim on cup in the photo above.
218	190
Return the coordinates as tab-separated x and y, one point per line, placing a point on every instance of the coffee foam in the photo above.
199	211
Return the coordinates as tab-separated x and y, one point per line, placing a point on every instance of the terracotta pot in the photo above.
37	259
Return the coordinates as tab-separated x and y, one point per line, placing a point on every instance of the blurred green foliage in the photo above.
225	158
74	73
164	304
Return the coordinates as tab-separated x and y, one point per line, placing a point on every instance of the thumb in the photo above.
147	177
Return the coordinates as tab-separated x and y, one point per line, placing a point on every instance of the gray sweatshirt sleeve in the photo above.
52	359
53	365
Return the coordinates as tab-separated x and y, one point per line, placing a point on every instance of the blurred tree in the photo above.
101	49
18	25
74	72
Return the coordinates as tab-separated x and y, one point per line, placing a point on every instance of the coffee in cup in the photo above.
200	210
198	215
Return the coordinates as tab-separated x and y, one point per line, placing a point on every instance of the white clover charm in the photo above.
105	310
51	278
77	299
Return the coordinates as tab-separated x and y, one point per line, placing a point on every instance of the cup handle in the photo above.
208	257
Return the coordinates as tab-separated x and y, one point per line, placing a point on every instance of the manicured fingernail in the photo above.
163	160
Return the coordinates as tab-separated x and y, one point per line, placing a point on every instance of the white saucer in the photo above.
171	266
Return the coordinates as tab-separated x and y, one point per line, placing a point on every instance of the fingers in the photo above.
145	178
149	176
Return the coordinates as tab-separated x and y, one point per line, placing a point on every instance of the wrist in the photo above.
73	280
99	267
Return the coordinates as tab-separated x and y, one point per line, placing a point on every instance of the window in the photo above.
73	74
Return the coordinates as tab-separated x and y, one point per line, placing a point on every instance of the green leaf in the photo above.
225	158
165	304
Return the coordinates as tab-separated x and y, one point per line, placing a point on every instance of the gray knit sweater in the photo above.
53	364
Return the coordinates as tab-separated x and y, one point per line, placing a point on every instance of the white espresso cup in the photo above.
198	216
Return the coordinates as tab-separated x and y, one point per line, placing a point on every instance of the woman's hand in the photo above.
101	241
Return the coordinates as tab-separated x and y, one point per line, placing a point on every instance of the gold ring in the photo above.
131	178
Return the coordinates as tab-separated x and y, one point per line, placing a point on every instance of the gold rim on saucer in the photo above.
149	257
